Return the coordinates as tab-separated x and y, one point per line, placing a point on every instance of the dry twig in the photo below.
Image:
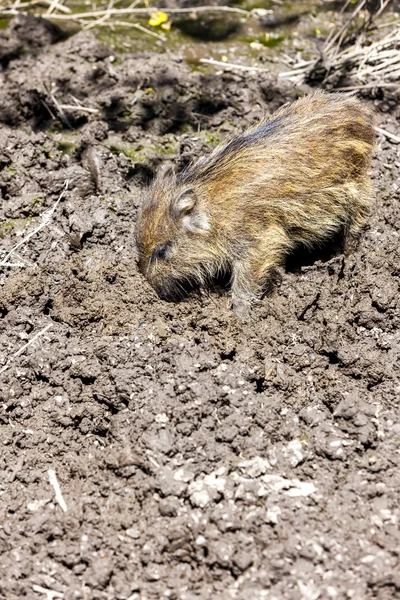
46	217
54	6
139	12
77	108
50	594
57	490
103	22
24	347
227	65
388	135
352	53
18	7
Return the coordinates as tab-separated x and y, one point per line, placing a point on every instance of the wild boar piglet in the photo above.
299	177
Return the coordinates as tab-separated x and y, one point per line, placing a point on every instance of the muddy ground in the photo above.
199	457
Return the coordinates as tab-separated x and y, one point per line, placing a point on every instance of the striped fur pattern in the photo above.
297	178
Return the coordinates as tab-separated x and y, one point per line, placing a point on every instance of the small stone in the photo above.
200	498
201	540
36	505
242	560
99	573
301	488
133	532
153	573
60	400
161	329
212	480
169	506
168	485
165	441
273	514
255	467
295	448
161	418
222	554
184	475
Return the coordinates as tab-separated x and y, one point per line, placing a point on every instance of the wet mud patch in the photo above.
198	456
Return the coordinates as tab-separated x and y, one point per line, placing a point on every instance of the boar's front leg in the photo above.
255	267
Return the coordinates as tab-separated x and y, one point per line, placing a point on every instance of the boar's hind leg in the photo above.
360	208
352	234
256	266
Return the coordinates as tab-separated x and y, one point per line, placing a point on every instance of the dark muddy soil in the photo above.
199	457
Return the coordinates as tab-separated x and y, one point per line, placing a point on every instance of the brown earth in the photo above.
199	457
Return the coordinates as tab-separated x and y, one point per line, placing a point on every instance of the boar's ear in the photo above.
165	171
186	209
185	203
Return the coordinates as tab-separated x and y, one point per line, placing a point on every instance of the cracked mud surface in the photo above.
199	456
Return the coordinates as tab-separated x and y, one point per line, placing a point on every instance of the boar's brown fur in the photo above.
296	178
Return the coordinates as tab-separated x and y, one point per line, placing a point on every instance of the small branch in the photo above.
367	86
24	347
77	108
10	264
295	72
58	106
95	23
104	23
388	135
46	216
227	65
57	490
27	263
369	65
384	4
17	7
389	24
340	34
144	12
55	5
141	28
50	594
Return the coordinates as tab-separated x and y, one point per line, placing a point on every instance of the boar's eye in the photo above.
161	252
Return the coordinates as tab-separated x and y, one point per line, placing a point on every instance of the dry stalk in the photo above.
388	135
24	347
57	490
227	65
54	6
351	53
138	12
50	594
104	22
367	86
19	7
46	217
343	31
77	108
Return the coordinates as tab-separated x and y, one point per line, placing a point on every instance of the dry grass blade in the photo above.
105	22
76	108
355	88
50	594
24	347
46	217
227	65
19	7
353	54
57	489
54	6
339	36
138	12
388	135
